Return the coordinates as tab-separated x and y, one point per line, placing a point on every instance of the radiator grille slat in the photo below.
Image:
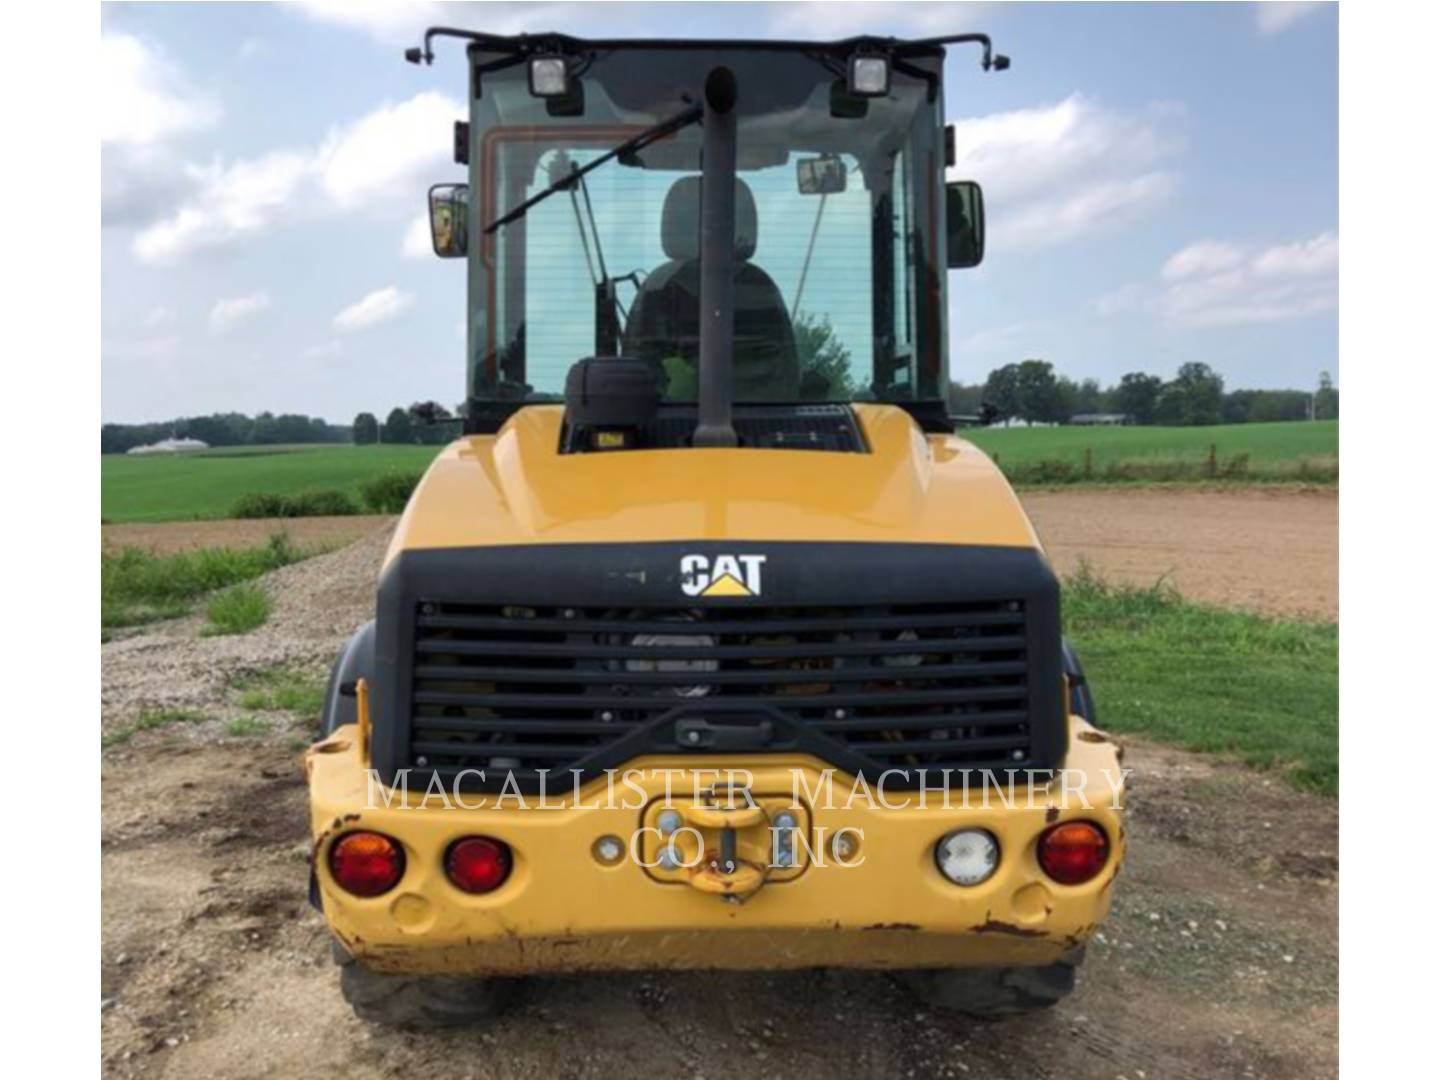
530	690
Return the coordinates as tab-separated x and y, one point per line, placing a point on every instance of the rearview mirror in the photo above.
820	175
964	224
450	219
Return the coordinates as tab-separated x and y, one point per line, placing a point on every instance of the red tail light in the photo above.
1073	852
366	863
478	864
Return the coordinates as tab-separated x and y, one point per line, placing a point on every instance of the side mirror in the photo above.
964	224
450	220
820	175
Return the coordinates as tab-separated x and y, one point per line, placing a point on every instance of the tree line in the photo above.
422	423
224	429
1031	390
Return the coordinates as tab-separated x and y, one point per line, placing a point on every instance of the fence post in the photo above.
1211	465
1087	463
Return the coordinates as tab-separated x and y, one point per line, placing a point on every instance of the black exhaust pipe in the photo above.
717	266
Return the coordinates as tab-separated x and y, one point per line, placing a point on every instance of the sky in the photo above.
1161	187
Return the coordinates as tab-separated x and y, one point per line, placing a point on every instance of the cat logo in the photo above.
724	575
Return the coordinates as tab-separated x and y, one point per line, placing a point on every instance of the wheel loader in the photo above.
708	644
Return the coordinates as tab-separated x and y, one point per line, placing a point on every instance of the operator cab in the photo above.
663	323
584	221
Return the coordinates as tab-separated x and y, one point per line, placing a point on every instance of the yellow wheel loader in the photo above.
708	644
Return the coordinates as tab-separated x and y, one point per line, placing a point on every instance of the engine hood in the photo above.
515	487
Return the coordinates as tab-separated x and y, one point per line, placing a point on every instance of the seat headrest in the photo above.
680	220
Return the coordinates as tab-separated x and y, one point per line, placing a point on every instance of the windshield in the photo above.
838	296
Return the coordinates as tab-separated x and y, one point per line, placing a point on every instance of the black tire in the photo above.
419	1002
993	993
1082	701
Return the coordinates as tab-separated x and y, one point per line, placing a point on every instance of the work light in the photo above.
869	75
548	77
967	856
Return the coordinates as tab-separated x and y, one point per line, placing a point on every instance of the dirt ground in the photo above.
167	537
1219	958
1274	549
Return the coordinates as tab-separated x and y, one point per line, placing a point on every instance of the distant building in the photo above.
170	446
1100	419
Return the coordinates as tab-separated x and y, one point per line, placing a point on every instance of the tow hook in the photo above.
727	844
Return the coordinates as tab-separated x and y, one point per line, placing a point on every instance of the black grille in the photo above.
760	427
522	690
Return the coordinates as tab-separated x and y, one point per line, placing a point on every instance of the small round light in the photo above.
366	863
478	864
1073	852
967	856
609	850
669	821
845	846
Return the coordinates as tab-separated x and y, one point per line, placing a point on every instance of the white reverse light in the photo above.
548	77
967	856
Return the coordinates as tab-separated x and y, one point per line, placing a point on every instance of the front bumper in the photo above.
564	910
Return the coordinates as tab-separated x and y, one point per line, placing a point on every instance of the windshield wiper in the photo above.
629	146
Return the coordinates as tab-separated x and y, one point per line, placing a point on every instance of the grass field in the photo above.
206	485
1274	451
1265	691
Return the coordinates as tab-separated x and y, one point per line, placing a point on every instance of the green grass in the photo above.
149	720
1264	691
138	586
207	485
1282	451
237	610
247	727
280	690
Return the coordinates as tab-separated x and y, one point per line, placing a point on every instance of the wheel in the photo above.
991	993
1082	700
418	1002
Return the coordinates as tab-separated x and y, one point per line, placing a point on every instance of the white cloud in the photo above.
396	21
399	22
1274	16
376	307
157	317
418	243
376	160
1056	172
379	155
1318	255
1204	257
1214	283
145	98
236	309
813	21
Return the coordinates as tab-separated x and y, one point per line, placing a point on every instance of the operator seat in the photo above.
664	320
